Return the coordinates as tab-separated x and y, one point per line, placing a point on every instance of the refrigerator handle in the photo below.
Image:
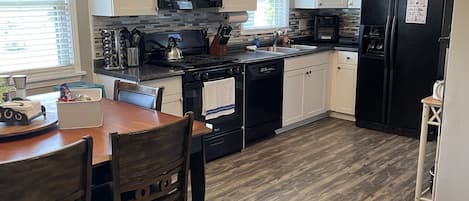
387	36
393	42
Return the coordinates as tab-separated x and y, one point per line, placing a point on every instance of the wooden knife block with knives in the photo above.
220	41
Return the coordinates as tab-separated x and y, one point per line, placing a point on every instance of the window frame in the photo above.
267	30
58	72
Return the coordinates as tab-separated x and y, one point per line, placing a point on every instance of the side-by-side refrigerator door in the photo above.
413	65
373	64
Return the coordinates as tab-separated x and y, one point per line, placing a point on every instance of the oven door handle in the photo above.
215	79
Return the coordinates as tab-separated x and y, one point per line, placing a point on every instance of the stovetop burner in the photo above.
194	61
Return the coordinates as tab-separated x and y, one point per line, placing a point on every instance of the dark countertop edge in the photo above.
322	48
120	74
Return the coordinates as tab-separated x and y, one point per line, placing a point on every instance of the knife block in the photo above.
217	49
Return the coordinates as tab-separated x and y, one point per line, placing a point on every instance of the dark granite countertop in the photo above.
143	73
246	57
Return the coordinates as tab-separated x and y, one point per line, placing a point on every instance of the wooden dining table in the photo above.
117	117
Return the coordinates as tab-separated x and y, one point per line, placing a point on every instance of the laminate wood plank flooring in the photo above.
329	160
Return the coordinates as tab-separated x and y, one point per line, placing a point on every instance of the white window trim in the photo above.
266	31
44	77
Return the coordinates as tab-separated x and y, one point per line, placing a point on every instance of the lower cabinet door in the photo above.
345	89
293	96
172	104
315	91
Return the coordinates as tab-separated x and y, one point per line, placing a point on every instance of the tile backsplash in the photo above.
301	24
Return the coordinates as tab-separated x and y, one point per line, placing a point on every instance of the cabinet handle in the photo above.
320	4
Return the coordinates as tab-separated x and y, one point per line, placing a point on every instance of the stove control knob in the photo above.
196	76
237	70
205	76
230	71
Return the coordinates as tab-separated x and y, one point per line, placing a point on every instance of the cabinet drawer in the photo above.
300	62
347	57
172	85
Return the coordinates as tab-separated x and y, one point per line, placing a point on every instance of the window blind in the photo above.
270	15
35	34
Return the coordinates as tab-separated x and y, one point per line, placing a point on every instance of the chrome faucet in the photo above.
277	35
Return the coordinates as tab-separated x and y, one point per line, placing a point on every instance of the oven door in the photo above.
193	102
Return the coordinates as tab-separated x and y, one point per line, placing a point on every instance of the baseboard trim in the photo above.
301	123
343	116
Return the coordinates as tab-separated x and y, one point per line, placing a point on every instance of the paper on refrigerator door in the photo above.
416	11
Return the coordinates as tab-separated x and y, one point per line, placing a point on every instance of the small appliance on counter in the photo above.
115	49
218	47
326	28
438	89
173	52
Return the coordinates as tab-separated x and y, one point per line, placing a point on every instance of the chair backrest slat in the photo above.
63	175
152	164
139	95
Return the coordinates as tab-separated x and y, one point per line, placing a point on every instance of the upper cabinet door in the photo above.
124	7
238	5
332	3
354	3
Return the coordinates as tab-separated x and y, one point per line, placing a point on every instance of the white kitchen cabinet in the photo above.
238	5
354	3
293	96
124	7
344	82
315	91
172	94
305	87
313	4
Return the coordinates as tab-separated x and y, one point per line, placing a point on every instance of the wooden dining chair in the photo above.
152	164
143	96
63	175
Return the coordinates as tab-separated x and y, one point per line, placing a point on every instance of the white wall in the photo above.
453	173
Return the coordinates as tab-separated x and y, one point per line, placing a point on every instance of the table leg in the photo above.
422	149
197	167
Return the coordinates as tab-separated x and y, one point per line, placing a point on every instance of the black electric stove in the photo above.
200	67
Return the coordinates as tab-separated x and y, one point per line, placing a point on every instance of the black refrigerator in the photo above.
398	64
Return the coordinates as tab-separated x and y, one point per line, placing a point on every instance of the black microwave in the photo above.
189	4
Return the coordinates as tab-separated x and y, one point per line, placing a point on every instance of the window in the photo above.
269	16
35	34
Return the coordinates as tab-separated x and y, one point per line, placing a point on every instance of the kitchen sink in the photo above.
279	50
303	47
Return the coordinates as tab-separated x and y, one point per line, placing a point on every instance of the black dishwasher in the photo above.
263	99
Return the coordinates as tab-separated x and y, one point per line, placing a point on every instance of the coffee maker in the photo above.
326	28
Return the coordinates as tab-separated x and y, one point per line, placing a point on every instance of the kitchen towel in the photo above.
218	98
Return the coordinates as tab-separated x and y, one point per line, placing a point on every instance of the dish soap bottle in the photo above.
256	41
285	40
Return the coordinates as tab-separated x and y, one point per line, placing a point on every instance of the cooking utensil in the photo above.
225	36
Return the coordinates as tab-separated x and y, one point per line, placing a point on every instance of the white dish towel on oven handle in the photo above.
218	98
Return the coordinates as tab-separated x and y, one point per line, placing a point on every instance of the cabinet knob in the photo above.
338	67
348	58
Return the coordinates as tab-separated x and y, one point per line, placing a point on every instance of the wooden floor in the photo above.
329	160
